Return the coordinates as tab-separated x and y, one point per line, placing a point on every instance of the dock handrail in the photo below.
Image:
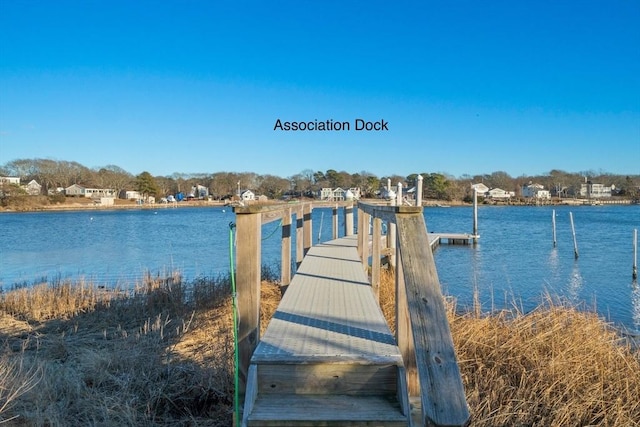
422	329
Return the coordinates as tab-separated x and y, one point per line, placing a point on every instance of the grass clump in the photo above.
554	366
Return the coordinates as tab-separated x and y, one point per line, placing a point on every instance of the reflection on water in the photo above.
575	284
635	304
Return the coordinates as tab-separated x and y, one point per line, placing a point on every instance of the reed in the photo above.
163	355
554	366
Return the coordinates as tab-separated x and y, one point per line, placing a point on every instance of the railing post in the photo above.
285	265
419	191
348	220
248	231
375	256
307	227
391	237
334	221
363	230
404	336
299	236
360	235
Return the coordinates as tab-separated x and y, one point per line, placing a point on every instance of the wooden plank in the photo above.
329	311
404	335
248	231
326	410
328	378
443	398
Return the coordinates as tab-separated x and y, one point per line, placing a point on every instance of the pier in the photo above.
327	357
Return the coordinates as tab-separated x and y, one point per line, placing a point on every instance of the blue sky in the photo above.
466	87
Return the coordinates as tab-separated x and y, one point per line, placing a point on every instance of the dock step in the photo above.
310	410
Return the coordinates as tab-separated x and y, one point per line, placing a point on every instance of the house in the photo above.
535	191
9	180
247	195
33	188
80	191
199	191
596	191
499	194
339	195
130	195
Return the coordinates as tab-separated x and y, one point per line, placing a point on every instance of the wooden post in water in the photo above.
553	222
634	273
419	191
573	231
475	215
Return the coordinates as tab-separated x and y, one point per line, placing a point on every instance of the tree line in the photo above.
54	174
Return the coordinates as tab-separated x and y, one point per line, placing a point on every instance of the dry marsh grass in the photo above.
163	355
554	366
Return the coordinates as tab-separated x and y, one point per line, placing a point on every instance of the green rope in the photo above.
274	230
236	357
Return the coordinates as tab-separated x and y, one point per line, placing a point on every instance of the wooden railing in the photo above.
249	221
422	329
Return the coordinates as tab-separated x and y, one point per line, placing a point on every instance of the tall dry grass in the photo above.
555	366
163	355
72	354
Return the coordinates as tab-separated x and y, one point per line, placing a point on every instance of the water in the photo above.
514	264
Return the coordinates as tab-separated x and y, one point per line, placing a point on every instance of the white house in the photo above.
247	195
535	191
33	188
131	195
499	194
9	180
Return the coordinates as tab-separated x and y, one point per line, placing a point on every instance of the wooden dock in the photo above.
327	357
328	352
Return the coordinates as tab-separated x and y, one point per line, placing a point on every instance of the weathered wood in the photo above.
360	234
375	257
364	231
443	398
299	236
404	335
307	228
348	220
248	231
334	221
387	213
285	258
325	410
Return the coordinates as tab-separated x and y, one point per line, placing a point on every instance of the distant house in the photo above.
499	194
535	191
130	195
80	191
339	195
247	195
591	190
199	191
33	188
9	180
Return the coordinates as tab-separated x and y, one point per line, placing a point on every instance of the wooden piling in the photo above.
634	273
475	216
553	222
419	191
573	231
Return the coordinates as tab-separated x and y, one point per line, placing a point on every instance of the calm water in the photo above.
514	263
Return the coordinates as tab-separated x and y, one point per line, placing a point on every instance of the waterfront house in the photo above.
480	188
247	195
9	180
535	191
499	194
81	191
33	188
595	191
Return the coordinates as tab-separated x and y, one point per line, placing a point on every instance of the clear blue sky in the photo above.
197	86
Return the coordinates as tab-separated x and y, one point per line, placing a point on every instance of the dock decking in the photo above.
328	351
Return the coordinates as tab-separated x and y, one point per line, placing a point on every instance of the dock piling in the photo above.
573	231
634	273
475	215
553	221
